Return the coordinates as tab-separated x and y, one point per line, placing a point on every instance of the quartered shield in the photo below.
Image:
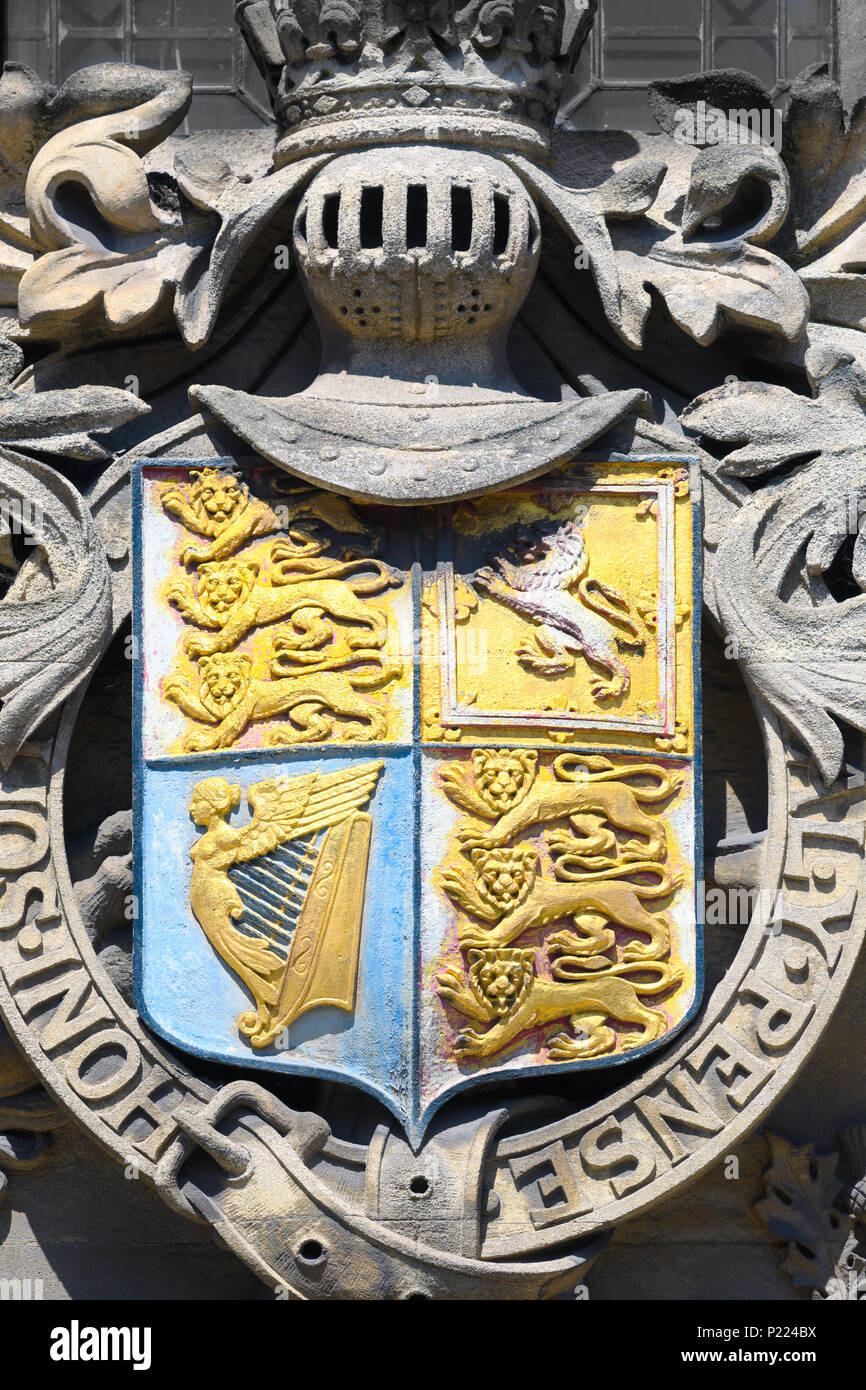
416	797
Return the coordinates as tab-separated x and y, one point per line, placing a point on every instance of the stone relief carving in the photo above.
332	647
824	1257
811	680
506	895
56	618
287	973
99	243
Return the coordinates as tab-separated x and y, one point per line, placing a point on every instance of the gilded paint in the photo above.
419	789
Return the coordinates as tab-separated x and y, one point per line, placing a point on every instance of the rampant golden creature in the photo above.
589	791
505	992
219	507
576	614
229	697
323	933
228	598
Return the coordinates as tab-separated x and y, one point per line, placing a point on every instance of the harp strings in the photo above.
273	890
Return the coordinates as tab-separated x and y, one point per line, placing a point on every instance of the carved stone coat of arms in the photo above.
417	802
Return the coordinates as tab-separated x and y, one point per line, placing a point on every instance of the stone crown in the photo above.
349	73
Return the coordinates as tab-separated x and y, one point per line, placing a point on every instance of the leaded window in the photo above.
632	42
636	41
56	37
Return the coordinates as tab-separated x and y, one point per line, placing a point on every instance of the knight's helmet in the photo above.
419	241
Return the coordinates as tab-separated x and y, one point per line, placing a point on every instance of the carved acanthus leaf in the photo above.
70	283
718	176
709	286
35	118
30	114
61	422
674	101
242	209
689	233
799	647
802	1188
106	244
821	165
705	255
49	643
826	158
583	214
775	426
114	258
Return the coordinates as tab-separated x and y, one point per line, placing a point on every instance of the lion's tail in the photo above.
666	783
378	577
590	769
667	975
667	881
601	599
381	672
370	576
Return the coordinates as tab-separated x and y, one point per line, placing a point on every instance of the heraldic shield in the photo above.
417	801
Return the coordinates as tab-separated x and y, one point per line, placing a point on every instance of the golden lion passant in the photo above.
543	901
505	991
228	598
599	794
229	698
218	507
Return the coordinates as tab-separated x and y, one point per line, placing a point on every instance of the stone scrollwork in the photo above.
101	244
103	249
27	1119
